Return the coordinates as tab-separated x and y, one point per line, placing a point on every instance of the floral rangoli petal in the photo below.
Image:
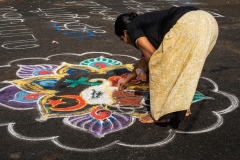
27	71
199	97
100	62
100	122
14	98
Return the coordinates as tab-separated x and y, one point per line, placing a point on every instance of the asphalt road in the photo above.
48	51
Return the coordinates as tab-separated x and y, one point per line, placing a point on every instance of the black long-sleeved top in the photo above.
154	25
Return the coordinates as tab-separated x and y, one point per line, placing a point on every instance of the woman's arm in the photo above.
146	48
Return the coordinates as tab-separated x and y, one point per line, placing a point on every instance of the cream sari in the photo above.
175	67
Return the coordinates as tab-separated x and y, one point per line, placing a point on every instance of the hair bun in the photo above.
132	15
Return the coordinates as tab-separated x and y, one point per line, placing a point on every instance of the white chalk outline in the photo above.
54	139
13	31
169	138
64	54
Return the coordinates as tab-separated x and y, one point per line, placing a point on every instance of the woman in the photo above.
174	44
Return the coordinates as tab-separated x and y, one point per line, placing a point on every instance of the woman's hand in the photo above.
122	84
141	75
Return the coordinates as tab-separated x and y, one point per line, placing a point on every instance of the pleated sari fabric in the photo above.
176	66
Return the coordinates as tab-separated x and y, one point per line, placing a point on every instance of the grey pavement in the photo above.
46	49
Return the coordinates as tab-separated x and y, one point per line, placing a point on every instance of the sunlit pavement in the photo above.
51	50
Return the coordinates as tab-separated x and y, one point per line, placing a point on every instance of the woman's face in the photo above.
125	37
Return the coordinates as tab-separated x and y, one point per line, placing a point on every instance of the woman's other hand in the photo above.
142	76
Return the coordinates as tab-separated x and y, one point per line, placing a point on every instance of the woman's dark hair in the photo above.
122	22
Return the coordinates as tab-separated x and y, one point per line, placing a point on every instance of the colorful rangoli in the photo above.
84	95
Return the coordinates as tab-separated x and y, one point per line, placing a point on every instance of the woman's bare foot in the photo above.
188	113
149	119
146	119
